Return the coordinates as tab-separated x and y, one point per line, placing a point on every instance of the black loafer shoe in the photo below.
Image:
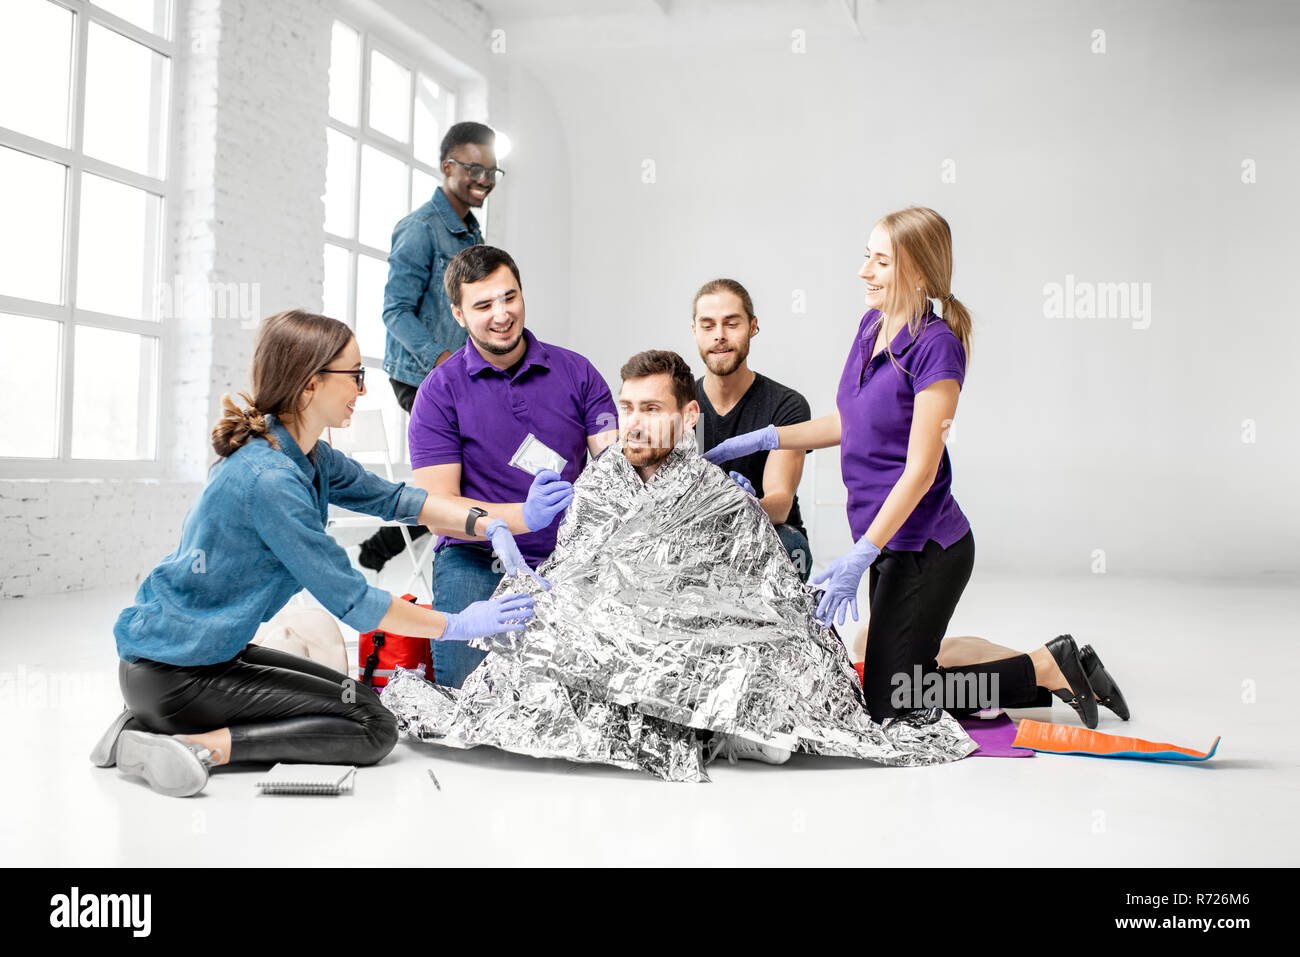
1080	697
1108	692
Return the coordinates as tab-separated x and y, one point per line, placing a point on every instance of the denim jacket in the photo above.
255	537
416	312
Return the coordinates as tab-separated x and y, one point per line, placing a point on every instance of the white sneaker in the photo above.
104	754
171	766
735	748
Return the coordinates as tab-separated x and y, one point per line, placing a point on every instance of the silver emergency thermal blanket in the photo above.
674	615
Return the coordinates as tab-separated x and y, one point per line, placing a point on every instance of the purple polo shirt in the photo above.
875	404
470	412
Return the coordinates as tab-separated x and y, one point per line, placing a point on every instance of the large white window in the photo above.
84	133
388	113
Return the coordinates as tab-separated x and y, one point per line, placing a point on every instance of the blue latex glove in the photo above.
839	582
738	446
483	618
743	483
548	496
506	549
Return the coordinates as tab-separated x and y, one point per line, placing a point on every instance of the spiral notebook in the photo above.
307	779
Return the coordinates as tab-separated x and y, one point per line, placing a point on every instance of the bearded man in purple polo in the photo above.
505	397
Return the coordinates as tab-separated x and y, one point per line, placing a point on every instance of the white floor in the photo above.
1195	660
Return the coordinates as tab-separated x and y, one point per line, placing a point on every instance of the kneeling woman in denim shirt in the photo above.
197	693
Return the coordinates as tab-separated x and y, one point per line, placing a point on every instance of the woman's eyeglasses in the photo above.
358	374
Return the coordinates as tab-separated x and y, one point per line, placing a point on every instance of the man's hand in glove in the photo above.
503	544
548	496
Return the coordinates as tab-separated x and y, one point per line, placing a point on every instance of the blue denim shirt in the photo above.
417	314
255	537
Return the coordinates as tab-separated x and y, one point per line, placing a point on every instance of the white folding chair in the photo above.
367	435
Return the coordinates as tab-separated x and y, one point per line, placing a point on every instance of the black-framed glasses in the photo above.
358	374
479	172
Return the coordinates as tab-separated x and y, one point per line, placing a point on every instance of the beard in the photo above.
496	350
727	363
640	456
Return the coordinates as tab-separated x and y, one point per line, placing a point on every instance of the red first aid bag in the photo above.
382	651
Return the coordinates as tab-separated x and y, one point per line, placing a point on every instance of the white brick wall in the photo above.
252	93
252	96
255	219
61	536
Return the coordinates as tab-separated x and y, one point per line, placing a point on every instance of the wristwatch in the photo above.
475	513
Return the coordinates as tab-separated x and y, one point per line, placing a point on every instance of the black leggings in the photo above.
913	596
279	707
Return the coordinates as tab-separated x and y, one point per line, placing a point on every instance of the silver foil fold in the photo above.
674	614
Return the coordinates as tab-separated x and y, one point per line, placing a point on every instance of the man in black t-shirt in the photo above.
734	400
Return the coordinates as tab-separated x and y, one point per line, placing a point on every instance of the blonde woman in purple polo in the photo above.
896	400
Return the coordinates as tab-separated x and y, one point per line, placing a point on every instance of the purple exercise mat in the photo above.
994	737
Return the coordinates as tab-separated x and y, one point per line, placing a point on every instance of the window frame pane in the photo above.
371	49
366	136
66	82
60	272
146	396
55	386
353	120
352	161
366	229
151	255
68	314
163	19
159	106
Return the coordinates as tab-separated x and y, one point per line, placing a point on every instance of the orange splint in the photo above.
1069	739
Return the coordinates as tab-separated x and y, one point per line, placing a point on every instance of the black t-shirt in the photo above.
764	403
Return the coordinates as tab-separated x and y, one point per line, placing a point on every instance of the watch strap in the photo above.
475	513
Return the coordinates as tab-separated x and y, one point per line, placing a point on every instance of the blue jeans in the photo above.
796	546
462	575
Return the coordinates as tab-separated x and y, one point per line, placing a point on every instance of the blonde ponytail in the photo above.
958	318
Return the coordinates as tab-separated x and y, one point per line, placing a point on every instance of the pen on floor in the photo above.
434	778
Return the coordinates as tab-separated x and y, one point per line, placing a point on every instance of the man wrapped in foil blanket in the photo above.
675	627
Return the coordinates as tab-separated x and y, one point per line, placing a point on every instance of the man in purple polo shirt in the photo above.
470	417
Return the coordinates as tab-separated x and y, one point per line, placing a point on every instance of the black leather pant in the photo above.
279	707
913	597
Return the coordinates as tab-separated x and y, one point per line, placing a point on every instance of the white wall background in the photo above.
771	165
1072	435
